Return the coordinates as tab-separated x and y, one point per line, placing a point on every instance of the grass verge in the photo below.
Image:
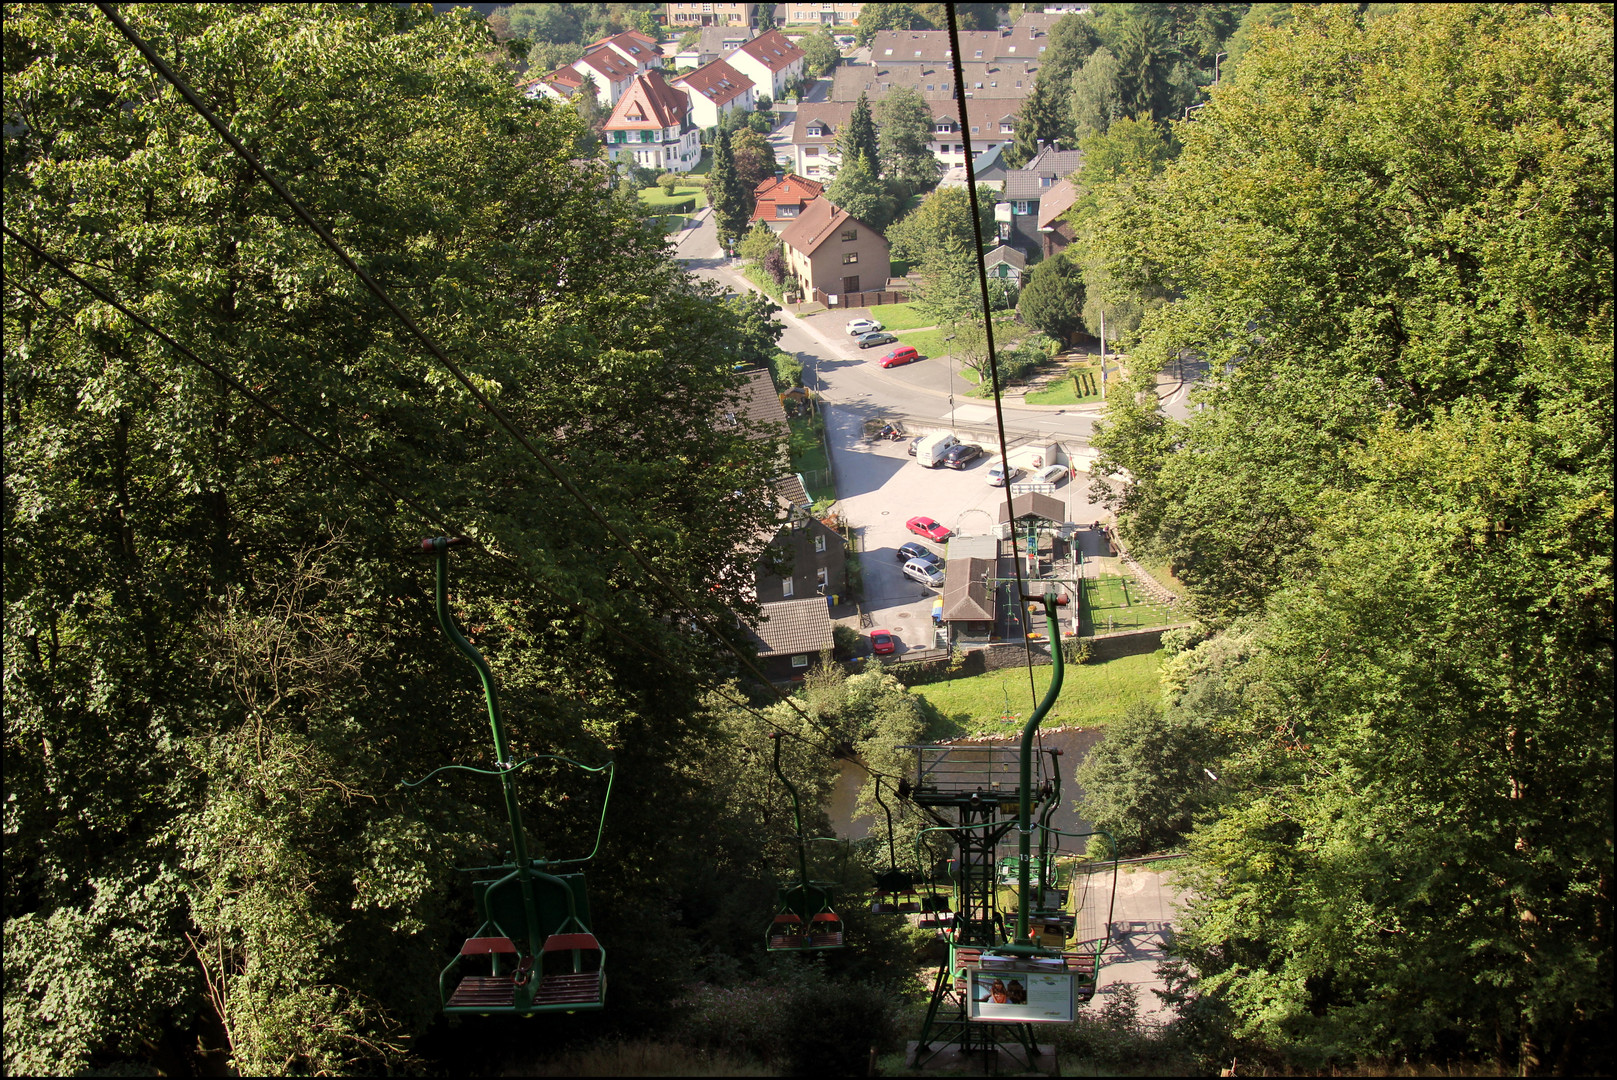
1091	695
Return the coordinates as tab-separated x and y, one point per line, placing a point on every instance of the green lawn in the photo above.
1116	602
898	317
808	458
1064	392
654	197
1091	695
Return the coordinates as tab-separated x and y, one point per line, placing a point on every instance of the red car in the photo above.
925	526
882	642
904	354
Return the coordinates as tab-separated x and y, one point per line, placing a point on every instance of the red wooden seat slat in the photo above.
477	991
571	942
569	989
826	916
483	946
788	919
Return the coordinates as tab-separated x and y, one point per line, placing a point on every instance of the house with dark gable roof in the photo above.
1018	212
830	251
791	635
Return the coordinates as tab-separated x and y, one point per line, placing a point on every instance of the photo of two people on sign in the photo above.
1001	994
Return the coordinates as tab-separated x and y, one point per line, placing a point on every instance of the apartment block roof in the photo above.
773	50
1024	42
718	82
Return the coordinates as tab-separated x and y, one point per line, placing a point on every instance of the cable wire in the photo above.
988	326
693	608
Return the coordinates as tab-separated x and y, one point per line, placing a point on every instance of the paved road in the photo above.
1142	923
878	486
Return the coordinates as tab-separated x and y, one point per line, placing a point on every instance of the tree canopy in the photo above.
220	656
1389	240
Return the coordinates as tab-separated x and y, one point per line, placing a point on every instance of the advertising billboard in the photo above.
1009	996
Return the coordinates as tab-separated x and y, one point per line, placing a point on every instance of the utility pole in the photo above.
1103	354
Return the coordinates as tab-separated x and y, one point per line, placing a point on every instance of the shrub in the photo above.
787	371
1076	650
847	641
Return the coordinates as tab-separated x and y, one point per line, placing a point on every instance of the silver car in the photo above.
924	572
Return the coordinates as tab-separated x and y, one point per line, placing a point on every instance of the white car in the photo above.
1051	474
924	572
864	326
1000	474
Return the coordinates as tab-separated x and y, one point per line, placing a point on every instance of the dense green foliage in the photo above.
1390	238
1052	300
221	661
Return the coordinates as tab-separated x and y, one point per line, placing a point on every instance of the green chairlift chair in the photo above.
533	951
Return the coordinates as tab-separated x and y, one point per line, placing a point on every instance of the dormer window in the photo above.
815	131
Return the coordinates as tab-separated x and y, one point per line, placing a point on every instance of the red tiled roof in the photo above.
649	102
788	190
608	63
642	48
772	50
718	82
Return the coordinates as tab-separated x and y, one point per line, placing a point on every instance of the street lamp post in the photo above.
1216	58
950	354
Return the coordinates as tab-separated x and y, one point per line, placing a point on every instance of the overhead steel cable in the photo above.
428	515
694	609
988	328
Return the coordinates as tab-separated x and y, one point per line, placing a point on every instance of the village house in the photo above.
610	73
716	90
652	126
713	43
639	49
830	251
779	201
805	557
771	62
790	636
1017	215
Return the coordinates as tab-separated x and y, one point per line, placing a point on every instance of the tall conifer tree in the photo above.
859	137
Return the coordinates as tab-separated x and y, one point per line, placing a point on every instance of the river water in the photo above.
1074	743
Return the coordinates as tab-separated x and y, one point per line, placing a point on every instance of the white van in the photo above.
930	450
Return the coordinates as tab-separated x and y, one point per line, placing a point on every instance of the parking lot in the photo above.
880	487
